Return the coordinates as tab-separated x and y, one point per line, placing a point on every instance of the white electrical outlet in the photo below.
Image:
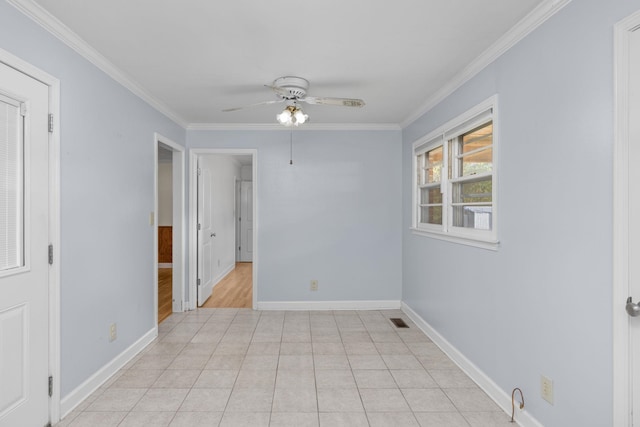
546	389
113	332
314	285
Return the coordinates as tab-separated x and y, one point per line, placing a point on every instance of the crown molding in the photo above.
75	42
305	127
526	25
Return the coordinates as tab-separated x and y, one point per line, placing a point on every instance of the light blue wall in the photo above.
542	303
334	215
106	195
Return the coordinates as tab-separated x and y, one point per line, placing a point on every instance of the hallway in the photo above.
239	367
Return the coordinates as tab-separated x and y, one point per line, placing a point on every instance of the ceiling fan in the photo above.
291	90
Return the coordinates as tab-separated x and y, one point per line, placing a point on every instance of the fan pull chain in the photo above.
291	146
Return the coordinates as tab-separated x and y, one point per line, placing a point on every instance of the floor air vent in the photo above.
399	323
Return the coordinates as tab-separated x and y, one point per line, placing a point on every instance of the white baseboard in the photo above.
84	390
329	305
502	399
165	265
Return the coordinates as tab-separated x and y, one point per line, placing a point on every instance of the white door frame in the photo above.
54	221
621	360
194	153
178	227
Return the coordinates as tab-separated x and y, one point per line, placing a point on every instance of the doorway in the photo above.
626	232
169	246
218	277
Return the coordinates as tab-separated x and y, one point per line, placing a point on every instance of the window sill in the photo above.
492	245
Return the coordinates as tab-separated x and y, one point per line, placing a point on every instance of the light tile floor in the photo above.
238	367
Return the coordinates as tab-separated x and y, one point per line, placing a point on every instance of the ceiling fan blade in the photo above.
343	102
257	104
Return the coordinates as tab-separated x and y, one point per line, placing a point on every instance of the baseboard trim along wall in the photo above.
84	390
502	399
329	305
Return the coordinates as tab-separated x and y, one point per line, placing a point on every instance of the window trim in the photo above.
472	118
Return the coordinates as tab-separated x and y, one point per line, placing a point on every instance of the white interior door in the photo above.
24	237
634	219
246	221
206	233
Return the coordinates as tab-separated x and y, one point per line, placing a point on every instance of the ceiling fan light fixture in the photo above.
300	117
285	118
292	115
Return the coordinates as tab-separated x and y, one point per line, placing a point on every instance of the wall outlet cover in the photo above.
546	389
113	332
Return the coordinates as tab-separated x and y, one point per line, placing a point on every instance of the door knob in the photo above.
633	308
213	234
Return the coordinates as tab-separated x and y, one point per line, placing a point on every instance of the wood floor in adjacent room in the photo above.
235	290
165	293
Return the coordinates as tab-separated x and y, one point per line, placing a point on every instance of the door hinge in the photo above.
23	109
198	282
50	123
199	171
238	248
239	219
199	227
50	254
50	386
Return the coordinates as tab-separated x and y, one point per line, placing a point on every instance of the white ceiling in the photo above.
195	57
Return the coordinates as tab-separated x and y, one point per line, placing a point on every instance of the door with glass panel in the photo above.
24	237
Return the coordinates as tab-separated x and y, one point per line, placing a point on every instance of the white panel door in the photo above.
246	221
634	219
24	235
206	232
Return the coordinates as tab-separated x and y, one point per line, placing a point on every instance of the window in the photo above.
455	181
11	185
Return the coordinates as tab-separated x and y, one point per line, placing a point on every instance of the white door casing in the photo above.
246	221
634	224
24	289
626	231
206	232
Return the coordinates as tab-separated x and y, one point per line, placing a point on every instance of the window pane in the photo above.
431	214
477	217
475	163
473	191
473	152
11	186
478	138
430	195
430	165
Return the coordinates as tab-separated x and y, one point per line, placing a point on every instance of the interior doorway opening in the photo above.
169	247
223	228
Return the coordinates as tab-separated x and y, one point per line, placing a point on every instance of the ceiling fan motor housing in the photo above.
296	86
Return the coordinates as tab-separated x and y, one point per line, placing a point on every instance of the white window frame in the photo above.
482	113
